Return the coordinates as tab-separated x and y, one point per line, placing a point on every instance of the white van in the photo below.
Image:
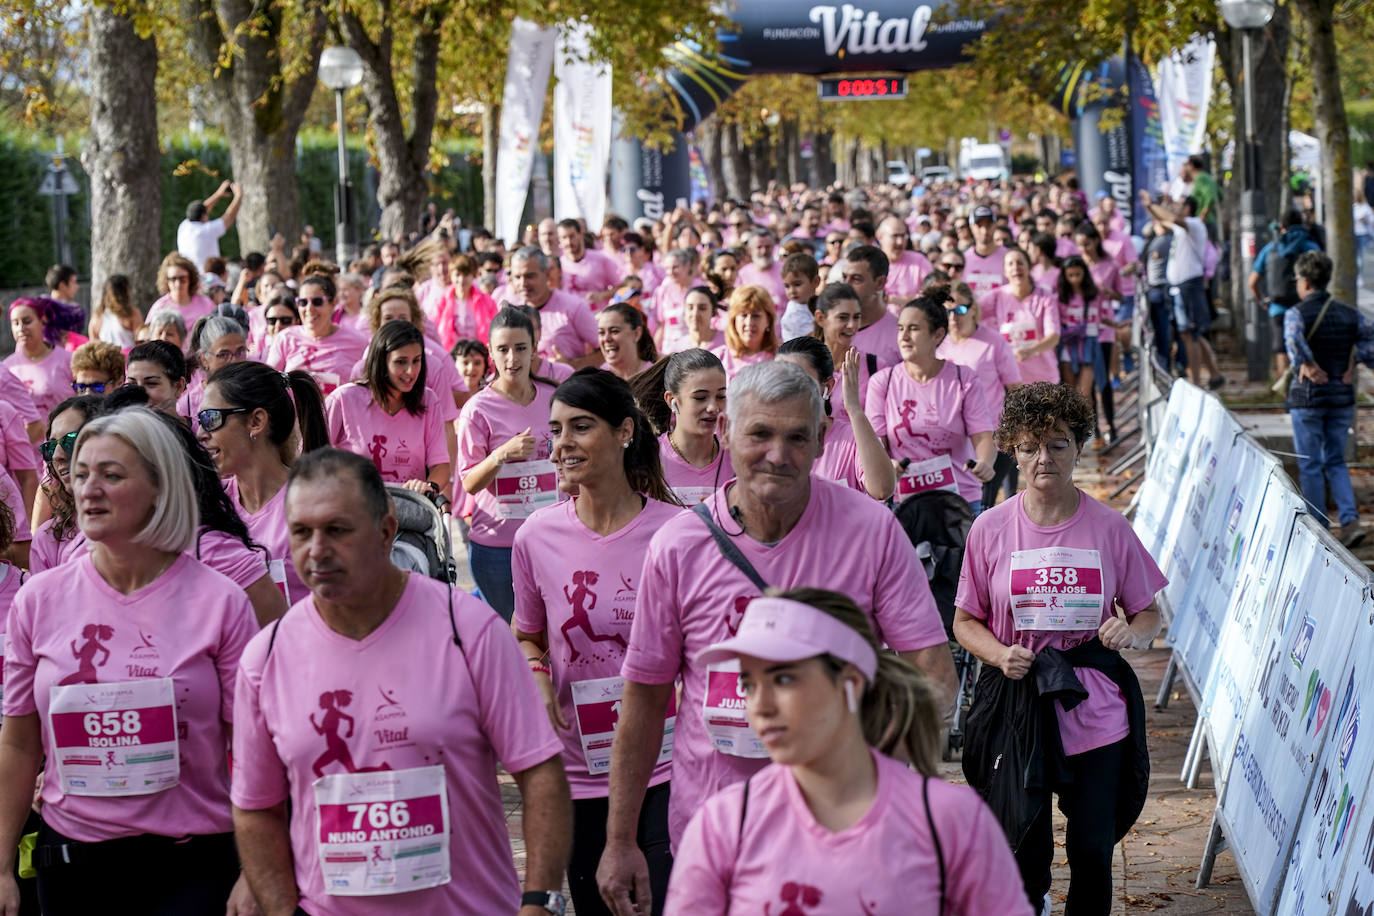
982	161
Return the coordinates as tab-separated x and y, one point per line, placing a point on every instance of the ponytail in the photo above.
899	713
309	402
292	400
669	374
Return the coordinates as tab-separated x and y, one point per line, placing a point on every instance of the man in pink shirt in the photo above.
787	530
762	270
836	213
430	293
865	268
369	717
587	274
809	225
983	262
547	234
905	269
568	323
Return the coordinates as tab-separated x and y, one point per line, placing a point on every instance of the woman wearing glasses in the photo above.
44	367
1044	574
179	282
952	263
216	342
276	316
254	422
58	538
318	346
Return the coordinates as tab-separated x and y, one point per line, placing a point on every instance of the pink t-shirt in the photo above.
1046	278
733	364
567	323
665	311
923	420
782	859
690	596
230	557
689	483
357	322
1079	319
1121	250
1064	247
267	527
490	418
199	306
595	273
840	460
16	452
15	393
578	589
651	275
190	625
48	381
989	356
329	359
402	446
1109	280
1129	578
684	342
1023	322
10	495
905	276
403	697
880	339
188	405
983	273
441	377
46	552
554	372
770	279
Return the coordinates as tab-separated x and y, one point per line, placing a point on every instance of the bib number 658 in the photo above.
112	723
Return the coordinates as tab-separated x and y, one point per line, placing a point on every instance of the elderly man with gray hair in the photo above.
773	525
567	322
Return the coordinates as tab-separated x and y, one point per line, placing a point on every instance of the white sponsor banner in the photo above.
581	128
1184	90
522	108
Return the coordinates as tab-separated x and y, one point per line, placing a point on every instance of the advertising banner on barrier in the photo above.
1262	580
581	128
1166	469
522	109
1215	432
1341	773
1185	90
1287	721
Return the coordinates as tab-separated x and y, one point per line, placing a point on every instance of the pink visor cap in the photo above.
782	630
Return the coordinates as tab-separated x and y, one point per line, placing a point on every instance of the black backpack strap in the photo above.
872	361
272	640
743	810
728	548
934	835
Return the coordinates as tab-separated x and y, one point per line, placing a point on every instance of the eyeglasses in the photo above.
90	387
178	278
952	265
212	418
1056	447
48	447
629	248
316	301
223	355
959	309
281	319
834	241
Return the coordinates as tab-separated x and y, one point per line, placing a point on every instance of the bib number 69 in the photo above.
380	815
112	723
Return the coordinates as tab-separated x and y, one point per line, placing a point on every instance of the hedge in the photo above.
26	223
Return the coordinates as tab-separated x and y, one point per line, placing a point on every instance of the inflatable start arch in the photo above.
784	36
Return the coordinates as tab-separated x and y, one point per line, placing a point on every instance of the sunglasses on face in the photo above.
959	309
953	265
178	278
316	301
281	319
212	418
48	447
90	387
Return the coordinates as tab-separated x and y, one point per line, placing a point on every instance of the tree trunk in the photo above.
1333	130
733	163
760	163
259	108
823	165
708	134
126	195
491	121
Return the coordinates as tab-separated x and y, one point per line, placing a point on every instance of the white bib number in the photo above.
723	710
598	713
1020	333
1056	588
522	487
383	833
931	474
327	381
115	739
277	570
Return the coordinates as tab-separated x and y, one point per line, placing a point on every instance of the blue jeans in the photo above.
1191	313
491	571
1319	435
1162	317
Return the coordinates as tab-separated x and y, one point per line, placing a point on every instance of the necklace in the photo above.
715	449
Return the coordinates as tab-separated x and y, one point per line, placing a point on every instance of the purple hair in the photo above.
57	317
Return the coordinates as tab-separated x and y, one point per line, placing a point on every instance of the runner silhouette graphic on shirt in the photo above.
94	634
377	857
378	450
582	599
797	899
336	751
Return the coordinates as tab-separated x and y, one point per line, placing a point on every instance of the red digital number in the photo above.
882	87
843	87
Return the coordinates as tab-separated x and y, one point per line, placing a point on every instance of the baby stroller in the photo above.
422	538
937	522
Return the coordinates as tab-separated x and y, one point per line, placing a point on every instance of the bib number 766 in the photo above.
380	815
1056	575
112	723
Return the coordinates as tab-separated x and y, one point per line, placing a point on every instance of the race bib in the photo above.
598	713
277	570
522	487
723	710
115	739
982	283
690	496
1056	588
1020	333
932	474
327	381
384	832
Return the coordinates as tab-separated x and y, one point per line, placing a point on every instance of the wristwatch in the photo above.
552	901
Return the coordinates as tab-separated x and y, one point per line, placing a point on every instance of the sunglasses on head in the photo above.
212	418
90	387
48	447
316	301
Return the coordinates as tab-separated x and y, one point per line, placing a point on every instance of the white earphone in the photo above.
850	697
673	407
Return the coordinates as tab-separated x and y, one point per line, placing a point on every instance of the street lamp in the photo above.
340	69
1246	16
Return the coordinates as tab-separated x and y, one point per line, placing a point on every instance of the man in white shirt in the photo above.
1185	275
198	235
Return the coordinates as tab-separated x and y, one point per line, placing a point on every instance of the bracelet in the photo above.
543	668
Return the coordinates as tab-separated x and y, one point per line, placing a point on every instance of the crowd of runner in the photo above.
715	669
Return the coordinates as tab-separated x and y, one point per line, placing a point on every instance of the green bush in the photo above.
27	244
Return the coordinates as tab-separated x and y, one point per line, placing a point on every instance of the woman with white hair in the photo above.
120	674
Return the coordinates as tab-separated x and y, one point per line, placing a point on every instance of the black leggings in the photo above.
1088	802
589	839
1104	387
146	874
